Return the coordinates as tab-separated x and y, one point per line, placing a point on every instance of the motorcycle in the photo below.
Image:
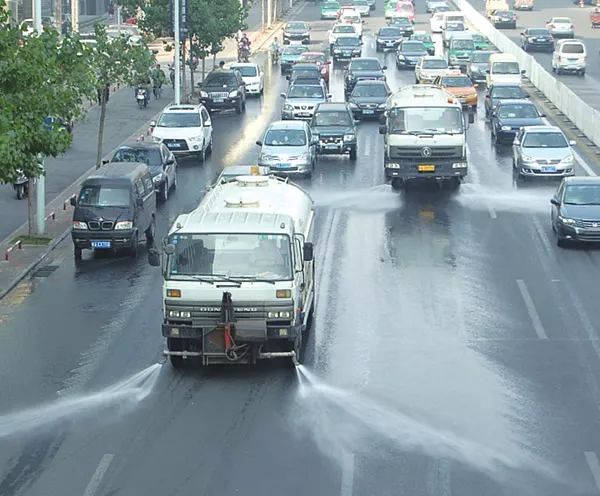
275	54
172	75
243	53
21	186
141	95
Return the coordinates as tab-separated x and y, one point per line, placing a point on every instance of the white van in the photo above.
436	22
503	68
569	56
452	16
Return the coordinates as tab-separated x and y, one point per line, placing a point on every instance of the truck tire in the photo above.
397	183
353	154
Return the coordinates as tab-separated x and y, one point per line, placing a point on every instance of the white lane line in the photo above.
592	460
533	314
347	474
96	479
368	145
492	212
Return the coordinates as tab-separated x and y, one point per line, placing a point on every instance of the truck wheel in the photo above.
454	183
353	154
397	184
164	192
151	233
175	345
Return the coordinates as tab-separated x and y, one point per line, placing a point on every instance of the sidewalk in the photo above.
17	262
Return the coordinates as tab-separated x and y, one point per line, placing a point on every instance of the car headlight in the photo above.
123	224
567	220
156	139
392	165
336	50
303	157
233	94
77	224
401	57
381	105
567	160
474	68
505	128
352	105
349	137
528	159
288	108
158	178
382	77
203	94
195	138
459	165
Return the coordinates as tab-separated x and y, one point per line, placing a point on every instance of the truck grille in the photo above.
210	313
417	152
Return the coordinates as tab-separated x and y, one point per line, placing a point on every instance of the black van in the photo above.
115	209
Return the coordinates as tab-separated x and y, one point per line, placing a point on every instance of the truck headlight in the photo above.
158	178
203	94
459	165
567	220
279	315
77	224
349	137
392	165
183	314
123	224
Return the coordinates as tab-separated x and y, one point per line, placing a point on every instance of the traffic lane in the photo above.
123	119
586	86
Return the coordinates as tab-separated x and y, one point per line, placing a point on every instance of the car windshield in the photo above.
285	137
294	50
247	70
220	79
405	8
507	92
148	156
433	120
306	91
306	73
481	57
517	111
391	32
544	140
413	47
538	32
179	119
582	194
348	41
365	65
374	90
334	118
441	8
351	19
244	256
572	48
344	29
479	37
297	26
435	64
97	195
463	45
457	82
360	3
505	68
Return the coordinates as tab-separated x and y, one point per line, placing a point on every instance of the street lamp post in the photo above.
40	182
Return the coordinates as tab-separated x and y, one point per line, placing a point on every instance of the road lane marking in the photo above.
533	314
592	460
368	146
347	474
492	212
96	479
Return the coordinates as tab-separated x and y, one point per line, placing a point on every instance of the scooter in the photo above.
21	186
243	53
275	55
141	96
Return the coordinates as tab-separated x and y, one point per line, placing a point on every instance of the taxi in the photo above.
459	85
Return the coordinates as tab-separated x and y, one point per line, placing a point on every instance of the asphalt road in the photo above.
587	86
454	350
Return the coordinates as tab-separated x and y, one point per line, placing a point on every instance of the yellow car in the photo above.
459	85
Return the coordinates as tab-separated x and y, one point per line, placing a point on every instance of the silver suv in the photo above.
543	151
301	100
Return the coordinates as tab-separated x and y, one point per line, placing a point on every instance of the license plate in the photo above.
549	169
285	165
331	147
426	168
173	145
100	244
368	111
218	100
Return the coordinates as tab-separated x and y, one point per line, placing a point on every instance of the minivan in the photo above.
453	16
569	56
504	68
115	209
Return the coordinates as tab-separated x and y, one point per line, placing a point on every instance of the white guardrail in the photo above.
586	118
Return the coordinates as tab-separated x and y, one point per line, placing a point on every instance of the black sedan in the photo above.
537	39
504	19
576	210
498	92
366	68
408	54
388	38
159	159
510	116
368	99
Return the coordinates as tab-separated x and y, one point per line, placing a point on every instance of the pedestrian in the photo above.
222	65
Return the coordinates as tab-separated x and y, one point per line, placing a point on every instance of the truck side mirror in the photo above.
308	252
154	257
555	201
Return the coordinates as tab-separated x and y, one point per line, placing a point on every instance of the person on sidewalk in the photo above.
158	79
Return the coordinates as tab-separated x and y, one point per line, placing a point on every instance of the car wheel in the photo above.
164	192
209	148
525	47
202	154
582	72
454	183
353	154
560	242
133	250
244	105
174	185
151	233
238	109
558	71
20	191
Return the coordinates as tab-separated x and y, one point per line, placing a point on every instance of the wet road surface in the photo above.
454	349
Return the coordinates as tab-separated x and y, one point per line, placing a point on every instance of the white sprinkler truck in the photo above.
424	131
238	274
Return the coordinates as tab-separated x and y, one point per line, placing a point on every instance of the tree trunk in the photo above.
214	60
193	89
203	67
101	129
184	85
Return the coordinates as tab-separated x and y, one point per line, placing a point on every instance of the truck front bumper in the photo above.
437	170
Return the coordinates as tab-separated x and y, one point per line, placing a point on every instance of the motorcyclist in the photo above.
275	49
244	48
158	79
144	83
245	42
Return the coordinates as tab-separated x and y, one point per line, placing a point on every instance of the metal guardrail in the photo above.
15	245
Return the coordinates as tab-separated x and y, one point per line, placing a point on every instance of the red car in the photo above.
318	58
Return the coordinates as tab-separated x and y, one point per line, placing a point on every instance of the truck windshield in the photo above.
234	256
436	120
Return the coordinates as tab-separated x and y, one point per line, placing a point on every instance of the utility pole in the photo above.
177	52
269	13
119	19
75	16
40	182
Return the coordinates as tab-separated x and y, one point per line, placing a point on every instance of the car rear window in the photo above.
435	64
573	48
457	82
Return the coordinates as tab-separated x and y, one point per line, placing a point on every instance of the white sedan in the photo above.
252	75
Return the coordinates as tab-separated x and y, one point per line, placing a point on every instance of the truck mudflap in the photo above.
231	341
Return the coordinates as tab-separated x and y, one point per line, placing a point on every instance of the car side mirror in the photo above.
152	123
383	129
572	142
308	251
487	71
356	121
384	68
554	201
329	95
476	85
282	95
516	142
154	257
139	202
105	161
523	71
73	201
288	77
314	141
542	114
259	143
171	161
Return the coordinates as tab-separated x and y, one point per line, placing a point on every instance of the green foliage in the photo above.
156	20
40	75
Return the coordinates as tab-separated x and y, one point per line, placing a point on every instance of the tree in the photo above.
115	61
41	76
